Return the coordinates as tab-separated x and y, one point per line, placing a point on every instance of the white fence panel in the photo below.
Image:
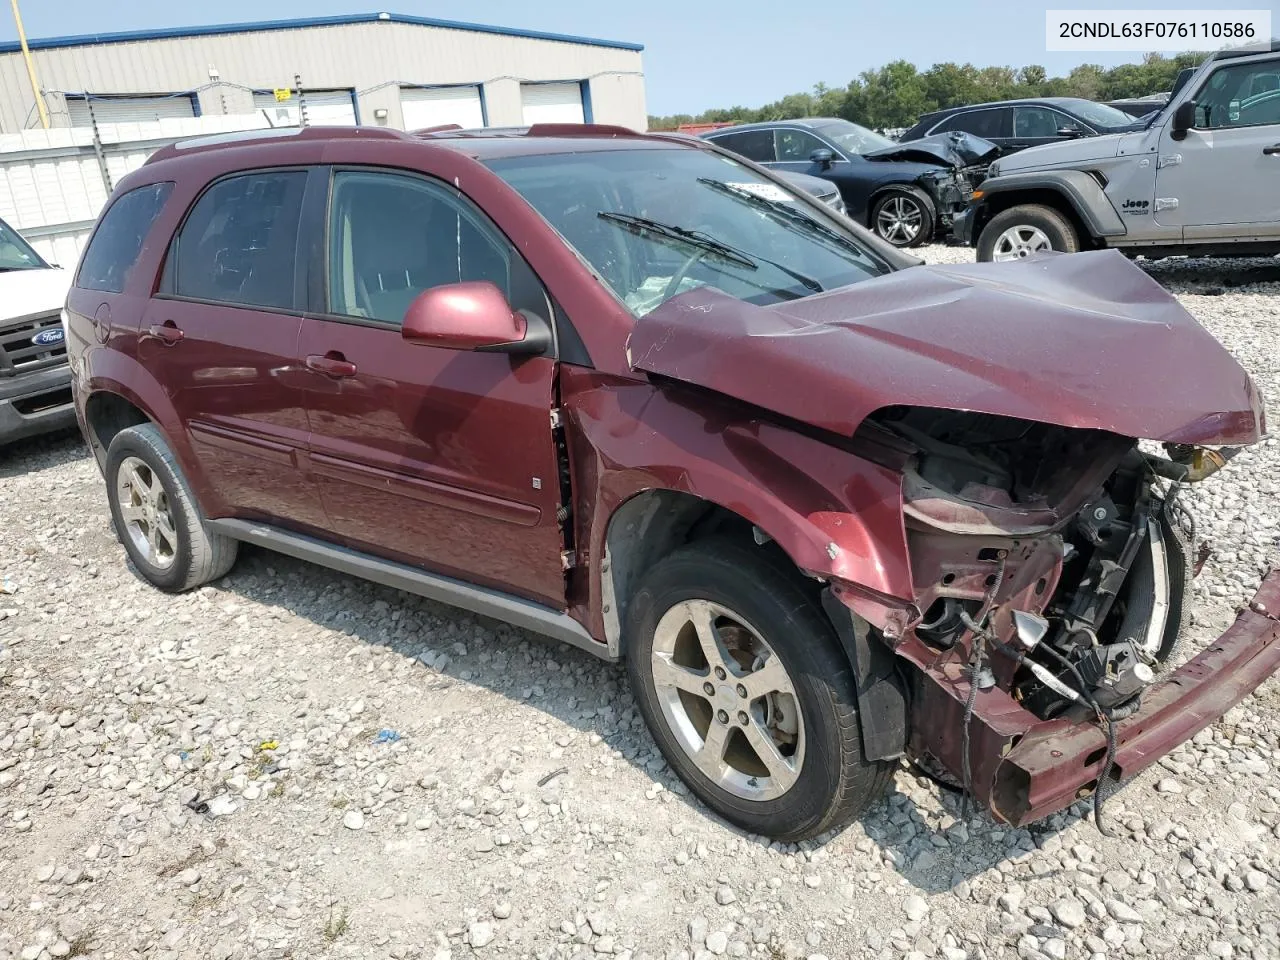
51	183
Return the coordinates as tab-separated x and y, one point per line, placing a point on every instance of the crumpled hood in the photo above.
954	149
1080	340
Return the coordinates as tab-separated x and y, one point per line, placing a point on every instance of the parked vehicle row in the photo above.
1201	177
906	193
640	396
35	384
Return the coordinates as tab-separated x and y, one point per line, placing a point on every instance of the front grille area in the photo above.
19	354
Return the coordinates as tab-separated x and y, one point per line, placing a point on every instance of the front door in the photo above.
1223	178
221	336
443	458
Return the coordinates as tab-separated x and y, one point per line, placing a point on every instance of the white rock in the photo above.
915	907
353	820
480	934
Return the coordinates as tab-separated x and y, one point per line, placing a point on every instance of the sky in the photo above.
698	53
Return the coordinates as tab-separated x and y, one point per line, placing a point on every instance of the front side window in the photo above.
393	236
655	223
794	145
755	145
1241	95
854	139
16	253
240	242
1034	123
116	243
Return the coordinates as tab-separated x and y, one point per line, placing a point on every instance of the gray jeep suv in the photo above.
1202	177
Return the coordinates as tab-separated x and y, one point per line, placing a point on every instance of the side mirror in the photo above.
1184	118
473	315
1070	131
823	157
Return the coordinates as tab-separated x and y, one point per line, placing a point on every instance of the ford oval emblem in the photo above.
48	337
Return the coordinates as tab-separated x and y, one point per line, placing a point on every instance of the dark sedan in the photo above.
906	193
1014	125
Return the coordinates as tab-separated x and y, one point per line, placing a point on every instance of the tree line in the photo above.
897	94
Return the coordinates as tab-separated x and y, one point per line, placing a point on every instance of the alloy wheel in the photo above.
1020	242
899	220
145	510
728	700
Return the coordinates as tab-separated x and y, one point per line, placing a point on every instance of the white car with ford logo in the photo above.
35	384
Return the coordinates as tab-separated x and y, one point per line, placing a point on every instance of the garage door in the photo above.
436	106
324	108
129	109
552	102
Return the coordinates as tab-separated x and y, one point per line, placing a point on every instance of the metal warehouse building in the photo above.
382	68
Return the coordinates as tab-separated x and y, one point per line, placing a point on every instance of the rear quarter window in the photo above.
114	247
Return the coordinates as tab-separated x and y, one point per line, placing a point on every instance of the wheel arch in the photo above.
120	393
1073	193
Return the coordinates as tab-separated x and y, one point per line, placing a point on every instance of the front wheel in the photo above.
747	693
1025	230
904	216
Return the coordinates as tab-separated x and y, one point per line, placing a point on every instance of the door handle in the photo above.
167	333
332	364
1272	150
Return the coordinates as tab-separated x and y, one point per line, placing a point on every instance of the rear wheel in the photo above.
156	517
1025	230
904	216
748	694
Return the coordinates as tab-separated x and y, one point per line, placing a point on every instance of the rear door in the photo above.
990	123
221	336
442	458
1223	178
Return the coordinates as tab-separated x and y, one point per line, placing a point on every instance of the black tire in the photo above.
912	196
199	554
1057	229
834	783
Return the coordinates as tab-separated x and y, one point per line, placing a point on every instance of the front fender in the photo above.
1082	192
834	514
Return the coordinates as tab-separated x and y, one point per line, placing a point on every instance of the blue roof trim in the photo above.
133	36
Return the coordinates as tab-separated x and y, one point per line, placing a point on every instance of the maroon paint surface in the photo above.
1080	340
444	458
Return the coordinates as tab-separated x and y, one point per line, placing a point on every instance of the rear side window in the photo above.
118	240
755	145
240	242
981	123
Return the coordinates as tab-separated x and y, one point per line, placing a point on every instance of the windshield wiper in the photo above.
703	241
690	237
781	209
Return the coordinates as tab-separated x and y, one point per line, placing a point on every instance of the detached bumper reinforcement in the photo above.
1057	762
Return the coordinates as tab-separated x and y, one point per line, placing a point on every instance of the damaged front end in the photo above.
961	158
1051	566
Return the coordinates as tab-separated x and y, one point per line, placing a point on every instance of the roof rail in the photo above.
440	128
244	138
580	130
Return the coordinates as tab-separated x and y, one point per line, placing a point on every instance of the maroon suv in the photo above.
831	507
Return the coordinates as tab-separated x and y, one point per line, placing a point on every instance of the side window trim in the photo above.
166	289
1226	65
317	221
165	188
465	204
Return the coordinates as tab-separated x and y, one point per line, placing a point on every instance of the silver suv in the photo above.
1202	178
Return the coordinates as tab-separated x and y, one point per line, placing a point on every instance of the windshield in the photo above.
853	138
16	253
655	223
1100	114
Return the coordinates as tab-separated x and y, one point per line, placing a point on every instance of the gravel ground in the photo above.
294	763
